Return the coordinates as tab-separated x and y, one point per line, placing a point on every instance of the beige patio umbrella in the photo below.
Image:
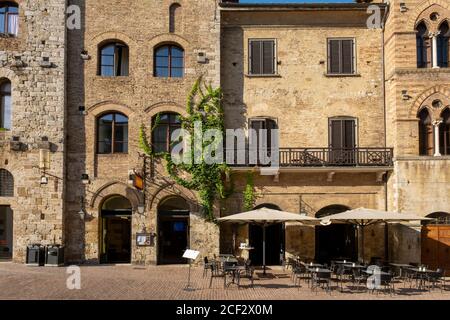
363	217
265	217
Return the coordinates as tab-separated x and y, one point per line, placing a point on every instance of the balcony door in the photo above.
342	141
262	139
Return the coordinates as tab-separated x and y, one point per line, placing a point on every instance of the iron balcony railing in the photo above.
317	157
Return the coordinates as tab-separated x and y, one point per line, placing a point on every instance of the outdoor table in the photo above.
234	271
356	266
400	267
379	272
312	265
314	271
421	276
343	262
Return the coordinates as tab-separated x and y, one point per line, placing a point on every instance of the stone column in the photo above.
436	137
434	61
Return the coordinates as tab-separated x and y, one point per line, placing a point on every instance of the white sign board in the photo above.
191	254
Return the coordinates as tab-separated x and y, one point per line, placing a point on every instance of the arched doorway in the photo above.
336	241
173	230
275	240
436	241
116	214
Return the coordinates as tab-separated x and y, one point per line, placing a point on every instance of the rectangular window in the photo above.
341	56
262	57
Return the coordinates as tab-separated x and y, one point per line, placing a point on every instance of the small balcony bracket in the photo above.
380	176
276	177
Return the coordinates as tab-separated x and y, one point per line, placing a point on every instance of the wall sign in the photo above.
145	239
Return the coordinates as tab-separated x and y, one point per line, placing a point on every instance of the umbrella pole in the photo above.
362	243
264	249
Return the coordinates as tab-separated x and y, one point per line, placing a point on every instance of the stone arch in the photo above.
116	188
163	106
168	38
175	18
417	14
424	96
100	38
331	209
104	106
172	189
269	205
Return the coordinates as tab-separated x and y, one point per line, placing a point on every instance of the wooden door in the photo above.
342	141
436	246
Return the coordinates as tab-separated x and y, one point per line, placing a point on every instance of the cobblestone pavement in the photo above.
167	283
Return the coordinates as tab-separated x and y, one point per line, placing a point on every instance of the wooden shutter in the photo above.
333	56
448	51
336	134
268	53
347	56
255	57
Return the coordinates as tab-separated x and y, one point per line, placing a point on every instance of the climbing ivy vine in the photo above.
208	179
249	193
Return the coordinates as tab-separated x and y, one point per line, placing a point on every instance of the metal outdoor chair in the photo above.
248	273
437	279
359	279
206	266
321	279
385	283
217	272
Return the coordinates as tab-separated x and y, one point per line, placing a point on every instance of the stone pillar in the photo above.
436	137
434	61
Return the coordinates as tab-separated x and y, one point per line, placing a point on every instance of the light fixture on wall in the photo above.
403	7
82	213
405	95
85	178
43	180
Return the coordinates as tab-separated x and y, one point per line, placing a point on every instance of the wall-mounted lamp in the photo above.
403	7
44	159
85	178
82	213
405	95
85	55
44	180
82	110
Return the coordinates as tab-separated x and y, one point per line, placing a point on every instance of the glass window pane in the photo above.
108	50
177	52
13	9
162	72
6	112
121	119
164	118
104	147
120	147
107	71
2	22
177	62
177	72
162	62
160	134
162	51
107	60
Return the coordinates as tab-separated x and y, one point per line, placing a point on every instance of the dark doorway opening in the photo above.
116	230
275	240
6	233
173	231
336	241
342	141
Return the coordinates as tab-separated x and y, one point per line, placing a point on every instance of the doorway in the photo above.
116	230
275	240
6	233
436	241
173	231
336	241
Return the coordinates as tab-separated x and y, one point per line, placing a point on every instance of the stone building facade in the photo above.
348	102
32	62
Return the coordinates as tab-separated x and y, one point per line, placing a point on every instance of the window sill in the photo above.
107	155
121	78
276	75
8	36
341	75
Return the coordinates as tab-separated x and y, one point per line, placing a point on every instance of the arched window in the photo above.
444	133
113	60
5	105
426	141
423	46
330	210
443	45
164	125
6	183
175	18
438	218
169	61
112	133
9	18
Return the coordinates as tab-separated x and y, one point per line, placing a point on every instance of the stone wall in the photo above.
38	101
